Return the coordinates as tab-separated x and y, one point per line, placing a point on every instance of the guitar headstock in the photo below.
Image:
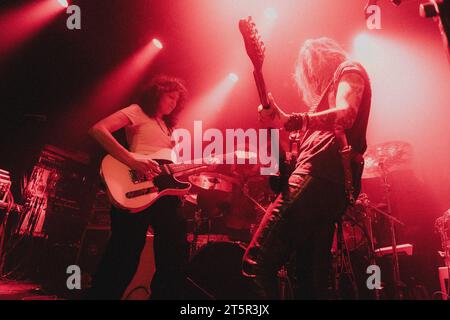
253	44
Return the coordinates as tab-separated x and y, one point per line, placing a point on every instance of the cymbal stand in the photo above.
249	197
198	221
343	264
398	284
369	234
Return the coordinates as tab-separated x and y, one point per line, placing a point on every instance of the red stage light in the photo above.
114	89
233	77
208	105
20	24
64	3
157	43
271	13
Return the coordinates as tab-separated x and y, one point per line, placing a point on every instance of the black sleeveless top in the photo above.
319	152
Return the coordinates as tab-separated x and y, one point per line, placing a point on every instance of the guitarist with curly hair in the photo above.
148	127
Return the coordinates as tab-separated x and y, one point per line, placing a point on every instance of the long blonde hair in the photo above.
317	61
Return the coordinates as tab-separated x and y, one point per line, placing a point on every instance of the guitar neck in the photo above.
261	86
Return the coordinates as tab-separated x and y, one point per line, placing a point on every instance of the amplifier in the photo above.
93	244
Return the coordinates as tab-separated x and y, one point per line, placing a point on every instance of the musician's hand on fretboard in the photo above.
273	117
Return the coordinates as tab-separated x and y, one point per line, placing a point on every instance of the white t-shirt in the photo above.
146	135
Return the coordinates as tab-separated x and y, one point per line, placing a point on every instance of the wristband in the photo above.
295	122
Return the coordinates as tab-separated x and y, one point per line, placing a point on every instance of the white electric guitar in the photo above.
132	191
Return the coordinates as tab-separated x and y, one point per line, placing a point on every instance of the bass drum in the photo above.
214	272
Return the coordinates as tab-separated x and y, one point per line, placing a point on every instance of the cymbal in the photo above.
240	155
246	164
246	155
386	156
212	181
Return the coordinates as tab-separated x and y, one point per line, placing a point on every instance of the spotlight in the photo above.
233	77
157	43
271	13
63	3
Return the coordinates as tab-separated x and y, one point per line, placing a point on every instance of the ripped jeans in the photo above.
300	221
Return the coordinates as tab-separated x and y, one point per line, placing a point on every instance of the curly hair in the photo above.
153	92
317	61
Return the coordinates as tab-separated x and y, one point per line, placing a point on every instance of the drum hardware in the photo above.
284	284
200	216
212	181
245	167
343	264
198	219
214	187
227	197
363	206
213	192
442	226
380	160
245	193
399	286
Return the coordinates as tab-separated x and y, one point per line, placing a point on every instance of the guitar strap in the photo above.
345	150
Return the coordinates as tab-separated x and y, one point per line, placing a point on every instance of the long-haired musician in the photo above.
303	217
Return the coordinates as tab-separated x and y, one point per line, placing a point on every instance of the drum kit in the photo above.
226	204
224	208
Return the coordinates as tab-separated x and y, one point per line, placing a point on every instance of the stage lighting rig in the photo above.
439	10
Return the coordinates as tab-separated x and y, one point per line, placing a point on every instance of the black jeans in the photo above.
301	221
122	255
